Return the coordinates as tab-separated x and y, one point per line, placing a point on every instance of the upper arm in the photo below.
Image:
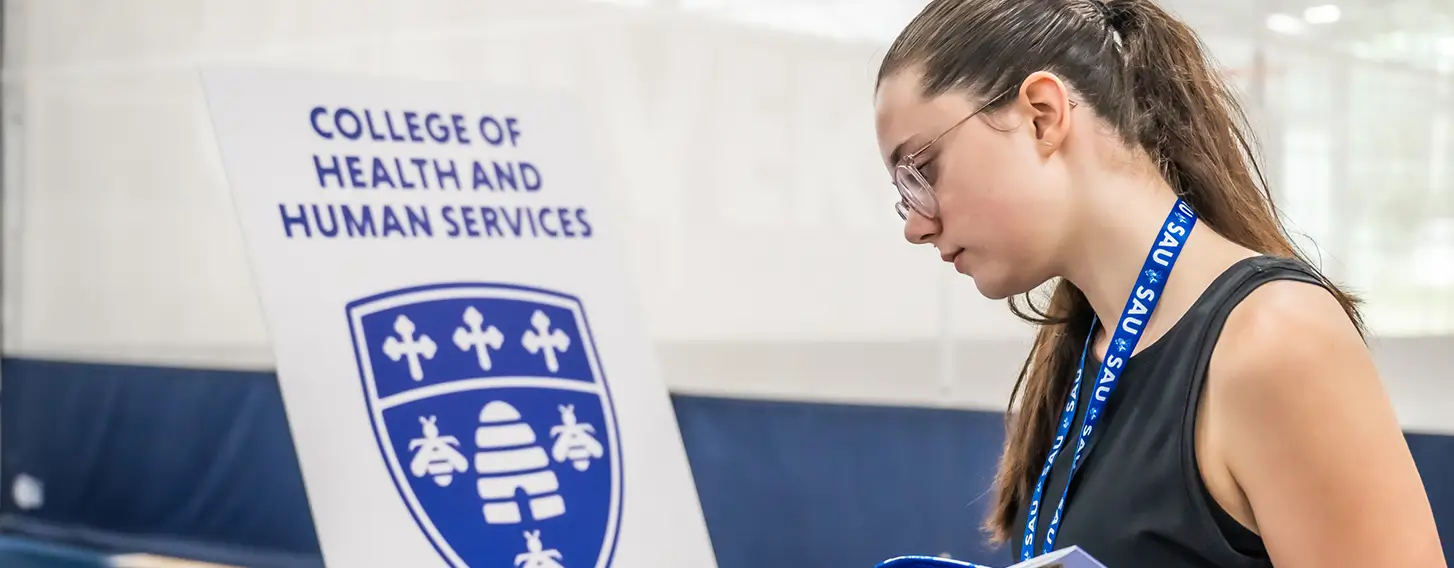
1310	437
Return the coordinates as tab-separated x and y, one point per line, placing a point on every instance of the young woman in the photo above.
1204	393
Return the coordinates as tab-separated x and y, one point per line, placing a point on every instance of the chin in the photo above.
996	285
993	288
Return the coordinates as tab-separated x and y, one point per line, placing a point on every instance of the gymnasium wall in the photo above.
199	463
839	391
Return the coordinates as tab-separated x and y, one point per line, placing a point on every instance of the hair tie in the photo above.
1108	18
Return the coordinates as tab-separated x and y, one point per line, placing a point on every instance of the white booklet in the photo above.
1072	557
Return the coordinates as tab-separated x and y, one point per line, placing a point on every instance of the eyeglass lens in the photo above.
915	192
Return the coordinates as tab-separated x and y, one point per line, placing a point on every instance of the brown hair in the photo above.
1146	74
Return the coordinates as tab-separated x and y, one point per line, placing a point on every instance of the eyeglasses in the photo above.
915	191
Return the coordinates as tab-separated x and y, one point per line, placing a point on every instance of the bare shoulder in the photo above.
1284	328
1309	436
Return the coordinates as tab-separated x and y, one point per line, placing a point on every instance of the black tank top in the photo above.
1138	499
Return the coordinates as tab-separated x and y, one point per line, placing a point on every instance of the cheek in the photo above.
997	209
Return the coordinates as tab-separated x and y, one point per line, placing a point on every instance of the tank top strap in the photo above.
1209	313
1191	340
1246	275
1212	311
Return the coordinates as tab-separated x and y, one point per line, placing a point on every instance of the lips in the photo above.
949	257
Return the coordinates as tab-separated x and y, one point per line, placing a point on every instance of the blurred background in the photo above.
839	392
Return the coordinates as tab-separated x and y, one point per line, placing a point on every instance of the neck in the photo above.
1111	243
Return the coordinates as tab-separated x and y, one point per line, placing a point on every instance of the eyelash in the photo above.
927	169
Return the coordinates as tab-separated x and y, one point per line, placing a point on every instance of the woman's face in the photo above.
1001	193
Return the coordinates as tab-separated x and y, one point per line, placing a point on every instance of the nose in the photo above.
919	229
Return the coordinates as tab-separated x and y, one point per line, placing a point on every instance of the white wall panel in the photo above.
764	243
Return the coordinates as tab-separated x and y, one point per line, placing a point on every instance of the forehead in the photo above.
903	117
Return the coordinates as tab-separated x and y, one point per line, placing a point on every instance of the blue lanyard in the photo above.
1125	336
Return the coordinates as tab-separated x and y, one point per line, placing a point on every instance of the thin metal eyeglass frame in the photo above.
929	209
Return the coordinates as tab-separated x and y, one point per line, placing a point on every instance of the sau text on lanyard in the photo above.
1144	297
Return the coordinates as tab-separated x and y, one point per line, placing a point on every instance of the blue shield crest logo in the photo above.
494	418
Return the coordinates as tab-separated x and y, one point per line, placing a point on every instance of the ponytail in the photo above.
1191	123
1195	128
1148	75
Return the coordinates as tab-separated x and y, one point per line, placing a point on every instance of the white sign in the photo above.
465	373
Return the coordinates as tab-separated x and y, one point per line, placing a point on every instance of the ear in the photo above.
1048	106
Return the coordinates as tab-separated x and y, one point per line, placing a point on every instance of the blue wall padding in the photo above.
200	463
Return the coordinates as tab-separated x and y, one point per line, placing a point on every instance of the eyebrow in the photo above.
898	153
